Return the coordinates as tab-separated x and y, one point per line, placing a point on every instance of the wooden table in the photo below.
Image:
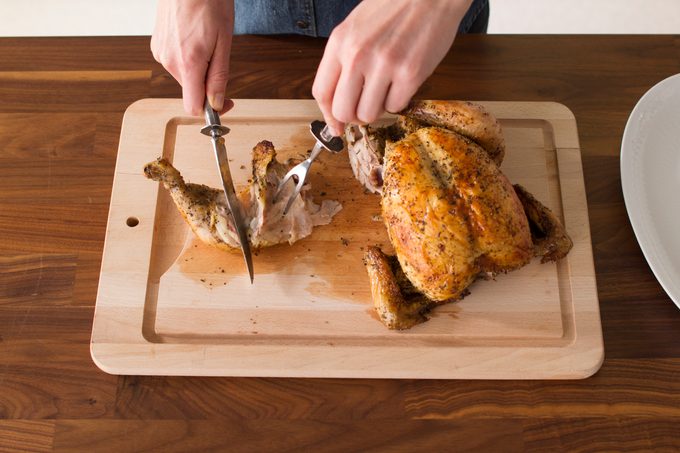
61	106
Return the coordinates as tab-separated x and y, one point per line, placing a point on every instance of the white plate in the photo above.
650	176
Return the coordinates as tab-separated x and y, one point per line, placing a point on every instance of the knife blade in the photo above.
215	130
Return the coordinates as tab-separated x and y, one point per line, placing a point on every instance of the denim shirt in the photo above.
307	17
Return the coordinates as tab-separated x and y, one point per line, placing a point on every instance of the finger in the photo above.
174	71
193	88
218	72
228	105
399	95
372	102
346	96
326	80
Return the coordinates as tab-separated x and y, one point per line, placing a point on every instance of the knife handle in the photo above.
213	126
211	116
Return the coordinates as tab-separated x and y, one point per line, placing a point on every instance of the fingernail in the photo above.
217	101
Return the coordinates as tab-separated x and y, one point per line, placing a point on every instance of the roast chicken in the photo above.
366	144
205	209
450	212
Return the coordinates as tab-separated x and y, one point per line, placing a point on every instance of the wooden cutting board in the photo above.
169	305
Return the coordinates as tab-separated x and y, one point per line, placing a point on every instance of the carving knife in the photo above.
215	130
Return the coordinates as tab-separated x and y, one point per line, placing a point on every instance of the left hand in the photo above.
379	56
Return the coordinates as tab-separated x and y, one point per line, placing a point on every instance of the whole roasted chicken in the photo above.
205	209
451	214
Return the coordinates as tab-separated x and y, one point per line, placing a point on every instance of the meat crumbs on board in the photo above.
450	212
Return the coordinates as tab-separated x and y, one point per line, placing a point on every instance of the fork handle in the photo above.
319	130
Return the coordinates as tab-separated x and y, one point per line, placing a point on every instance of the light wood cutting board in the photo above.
169	305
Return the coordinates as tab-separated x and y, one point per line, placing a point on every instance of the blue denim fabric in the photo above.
309	17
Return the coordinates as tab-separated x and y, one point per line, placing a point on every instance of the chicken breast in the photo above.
401	306
205	209
366	144
450	213
468	119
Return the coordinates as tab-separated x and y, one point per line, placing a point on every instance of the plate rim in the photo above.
639	220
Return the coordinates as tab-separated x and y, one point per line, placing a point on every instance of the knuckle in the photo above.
351	48
321	93
165	59
356	55
387	58
218	77
397	103
338	33
342	114
190	57
408	75
194	110
366	115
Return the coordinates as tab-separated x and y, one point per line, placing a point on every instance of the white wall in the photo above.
76	17
136	17
585	16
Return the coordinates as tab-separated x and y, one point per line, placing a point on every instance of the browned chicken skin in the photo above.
366	144
451	214
398	304
465	118
551	241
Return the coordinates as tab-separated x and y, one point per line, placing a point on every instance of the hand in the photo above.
380	55
192	40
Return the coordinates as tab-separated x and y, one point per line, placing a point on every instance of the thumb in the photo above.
218	73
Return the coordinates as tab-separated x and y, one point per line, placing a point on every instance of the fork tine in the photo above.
298	188
300	170
292	172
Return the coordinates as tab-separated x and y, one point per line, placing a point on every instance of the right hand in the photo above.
378	57
192	40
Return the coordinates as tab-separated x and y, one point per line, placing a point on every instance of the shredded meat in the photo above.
206	212
366	149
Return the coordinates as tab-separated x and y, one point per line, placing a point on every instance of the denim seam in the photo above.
310	10
304	7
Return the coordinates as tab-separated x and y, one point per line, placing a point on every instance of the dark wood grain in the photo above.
61	106
26	435
284	435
